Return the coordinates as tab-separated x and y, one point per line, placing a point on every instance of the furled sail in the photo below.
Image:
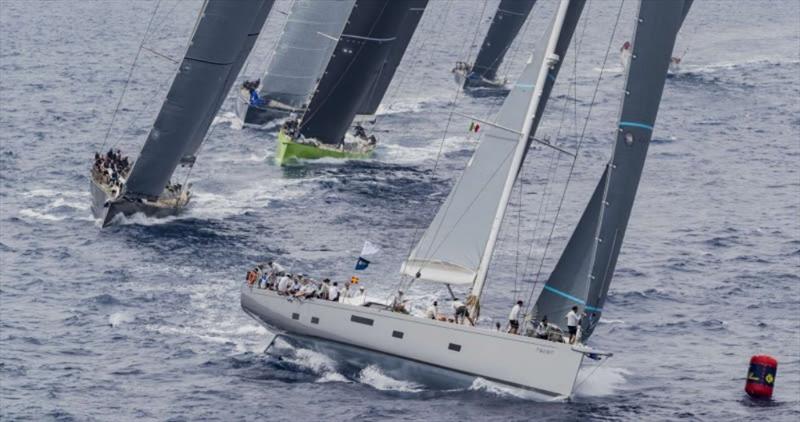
222	31
360	52
506	24
600	231
454	248
308	39
378	91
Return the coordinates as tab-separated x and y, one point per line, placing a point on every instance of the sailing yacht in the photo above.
457	247
351	83
223	36
481	76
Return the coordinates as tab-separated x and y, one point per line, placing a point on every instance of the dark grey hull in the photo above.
105	209
259	116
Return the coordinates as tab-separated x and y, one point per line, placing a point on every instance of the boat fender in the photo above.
761	376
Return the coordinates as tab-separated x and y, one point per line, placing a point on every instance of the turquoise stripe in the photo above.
572	298
524	85
550	75
634	124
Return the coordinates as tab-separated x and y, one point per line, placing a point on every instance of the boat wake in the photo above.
375	378
599	381
70	205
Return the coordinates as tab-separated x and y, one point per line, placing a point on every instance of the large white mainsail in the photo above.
458	245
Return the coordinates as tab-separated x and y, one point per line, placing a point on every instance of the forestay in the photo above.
204	77
506	24
308	39
360	52
584	270
461	236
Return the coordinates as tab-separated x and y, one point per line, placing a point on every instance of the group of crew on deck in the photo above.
111	169
272	276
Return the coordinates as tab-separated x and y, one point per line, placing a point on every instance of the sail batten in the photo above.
220	42
586	266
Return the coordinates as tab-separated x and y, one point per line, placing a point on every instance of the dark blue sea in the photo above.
141	321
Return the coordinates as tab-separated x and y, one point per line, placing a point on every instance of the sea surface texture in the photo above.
142	321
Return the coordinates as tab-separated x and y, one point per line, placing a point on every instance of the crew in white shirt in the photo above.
513	318
284	283
433	311
333	292
573	320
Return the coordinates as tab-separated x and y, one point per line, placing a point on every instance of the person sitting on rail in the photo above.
324	287
284	284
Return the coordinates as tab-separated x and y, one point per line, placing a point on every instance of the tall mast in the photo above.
550	60
506	24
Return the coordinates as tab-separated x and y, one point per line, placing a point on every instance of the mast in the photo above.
221	33
506	24
606	216
360	52
550	60
378	91
457	246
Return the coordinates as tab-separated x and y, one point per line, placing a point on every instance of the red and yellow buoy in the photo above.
761	376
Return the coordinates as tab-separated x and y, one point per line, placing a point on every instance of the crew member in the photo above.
513	318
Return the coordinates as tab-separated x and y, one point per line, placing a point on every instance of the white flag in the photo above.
369	249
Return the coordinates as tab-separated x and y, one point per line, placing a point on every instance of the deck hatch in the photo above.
361	320
314	320
454	347
295	316
397	334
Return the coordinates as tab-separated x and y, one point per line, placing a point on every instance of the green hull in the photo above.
288	151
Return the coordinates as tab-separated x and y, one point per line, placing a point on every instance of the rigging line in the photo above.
130	74
517	45
472	45
163	23
578	148
139	113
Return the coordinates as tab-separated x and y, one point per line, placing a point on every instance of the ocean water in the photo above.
141	321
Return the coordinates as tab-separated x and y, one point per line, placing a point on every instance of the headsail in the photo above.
600	231
223	30
308	39
506	24
376	93
362	49
457	246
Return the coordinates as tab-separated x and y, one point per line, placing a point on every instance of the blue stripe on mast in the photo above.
634	124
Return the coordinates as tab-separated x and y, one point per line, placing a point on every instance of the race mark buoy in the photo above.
761	376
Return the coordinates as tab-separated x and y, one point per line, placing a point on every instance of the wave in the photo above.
118	318
600	381
375	378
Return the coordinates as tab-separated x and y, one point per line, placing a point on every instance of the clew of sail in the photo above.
223	29
600	232
306	44
360	52
457	246
378	91
506	24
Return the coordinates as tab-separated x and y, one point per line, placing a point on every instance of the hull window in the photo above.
361	320
295	316
314	320
397	334
454	347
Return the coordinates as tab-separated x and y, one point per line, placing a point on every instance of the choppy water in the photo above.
142	320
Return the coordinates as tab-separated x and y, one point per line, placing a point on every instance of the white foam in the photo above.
30	213
118	318
228	117
375	378
502	390
429	150
594	381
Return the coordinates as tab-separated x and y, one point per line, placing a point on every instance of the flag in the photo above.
474	127
368	250
361	264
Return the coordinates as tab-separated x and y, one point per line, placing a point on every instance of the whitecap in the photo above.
598	381
118	318
375	378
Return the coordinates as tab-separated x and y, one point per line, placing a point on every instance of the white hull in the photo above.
544	367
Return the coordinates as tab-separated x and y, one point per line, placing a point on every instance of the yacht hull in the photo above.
288	150
479	87
105	208
259	116
427	350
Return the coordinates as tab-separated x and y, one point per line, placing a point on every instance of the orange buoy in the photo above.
761	376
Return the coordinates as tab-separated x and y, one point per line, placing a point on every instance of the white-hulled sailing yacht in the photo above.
458	245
